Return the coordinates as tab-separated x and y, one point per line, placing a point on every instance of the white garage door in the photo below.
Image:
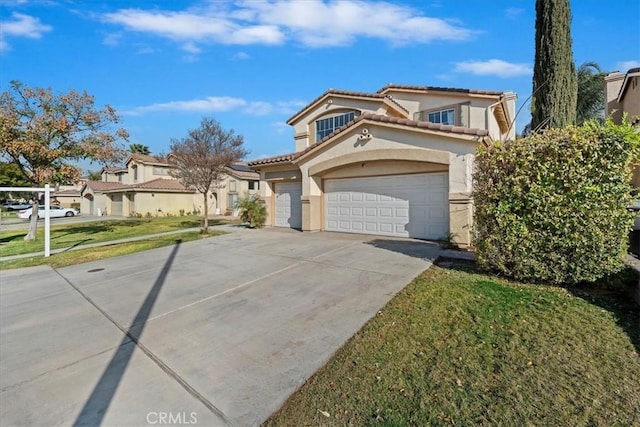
400	205
288	205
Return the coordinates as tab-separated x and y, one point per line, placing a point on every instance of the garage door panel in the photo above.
403	205
288	205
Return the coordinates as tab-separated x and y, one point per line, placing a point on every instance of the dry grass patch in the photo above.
462	348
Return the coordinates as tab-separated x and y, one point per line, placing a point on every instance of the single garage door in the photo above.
116	205
288	205
399	205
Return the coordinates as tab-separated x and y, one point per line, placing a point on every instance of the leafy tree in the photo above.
590	92
199	159
11	176
139	149
555	88
95	176
43	134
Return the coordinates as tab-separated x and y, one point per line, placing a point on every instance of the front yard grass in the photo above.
457	347
80	256
64	236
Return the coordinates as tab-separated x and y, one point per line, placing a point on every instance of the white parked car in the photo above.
54	212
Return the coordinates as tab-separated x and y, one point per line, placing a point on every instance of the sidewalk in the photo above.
118	241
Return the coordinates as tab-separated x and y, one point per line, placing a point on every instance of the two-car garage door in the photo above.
402	205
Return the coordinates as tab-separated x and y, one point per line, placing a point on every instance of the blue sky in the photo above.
163	65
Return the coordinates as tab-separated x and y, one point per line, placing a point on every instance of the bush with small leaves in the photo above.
551	207
252	211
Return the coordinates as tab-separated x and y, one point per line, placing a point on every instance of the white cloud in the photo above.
191	48
313	23
513	12
625	66
112	39
240	56
21	25
213	104
209	104
493	67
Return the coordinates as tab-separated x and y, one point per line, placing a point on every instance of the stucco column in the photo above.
266	195
461	198
311	202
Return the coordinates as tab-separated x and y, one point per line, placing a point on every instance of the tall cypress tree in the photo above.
555	87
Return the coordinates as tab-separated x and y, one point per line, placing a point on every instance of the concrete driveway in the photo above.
214	332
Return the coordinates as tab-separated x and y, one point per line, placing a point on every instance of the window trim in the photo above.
423	115
332	117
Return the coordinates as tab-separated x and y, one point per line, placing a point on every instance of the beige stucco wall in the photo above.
612	85
631	101
160	203
221	197
101	202
67	201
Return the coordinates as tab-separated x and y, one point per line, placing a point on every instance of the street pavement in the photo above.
214	332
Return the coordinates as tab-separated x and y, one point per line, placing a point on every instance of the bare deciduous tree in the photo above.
199	159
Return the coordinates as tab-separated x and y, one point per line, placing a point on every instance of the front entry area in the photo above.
288	205
399	205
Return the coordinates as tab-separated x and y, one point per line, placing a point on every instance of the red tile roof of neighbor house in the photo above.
103	186
160	184
458	130
147	158
243	174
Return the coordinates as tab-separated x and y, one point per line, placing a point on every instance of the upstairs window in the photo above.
444	117
327	126
254	185
135	173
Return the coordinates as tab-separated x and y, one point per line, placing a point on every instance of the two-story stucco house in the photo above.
397	162
144	185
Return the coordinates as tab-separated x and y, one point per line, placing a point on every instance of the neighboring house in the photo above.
67	198
145	186
397	162
622	95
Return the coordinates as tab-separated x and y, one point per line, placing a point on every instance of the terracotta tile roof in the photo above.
391	86
346	93
148	159
243	174
379	119
160	184
114	169
103	186
275	159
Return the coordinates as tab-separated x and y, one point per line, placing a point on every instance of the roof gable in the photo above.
376	97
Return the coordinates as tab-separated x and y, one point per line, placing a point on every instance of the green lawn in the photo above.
64	236
461	348
72	235
80	256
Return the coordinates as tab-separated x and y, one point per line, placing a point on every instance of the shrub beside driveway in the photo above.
457	347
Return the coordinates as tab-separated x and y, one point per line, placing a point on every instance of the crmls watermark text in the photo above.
182	418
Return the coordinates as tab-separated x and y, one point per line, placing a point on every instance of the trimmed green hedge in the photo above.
551	207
